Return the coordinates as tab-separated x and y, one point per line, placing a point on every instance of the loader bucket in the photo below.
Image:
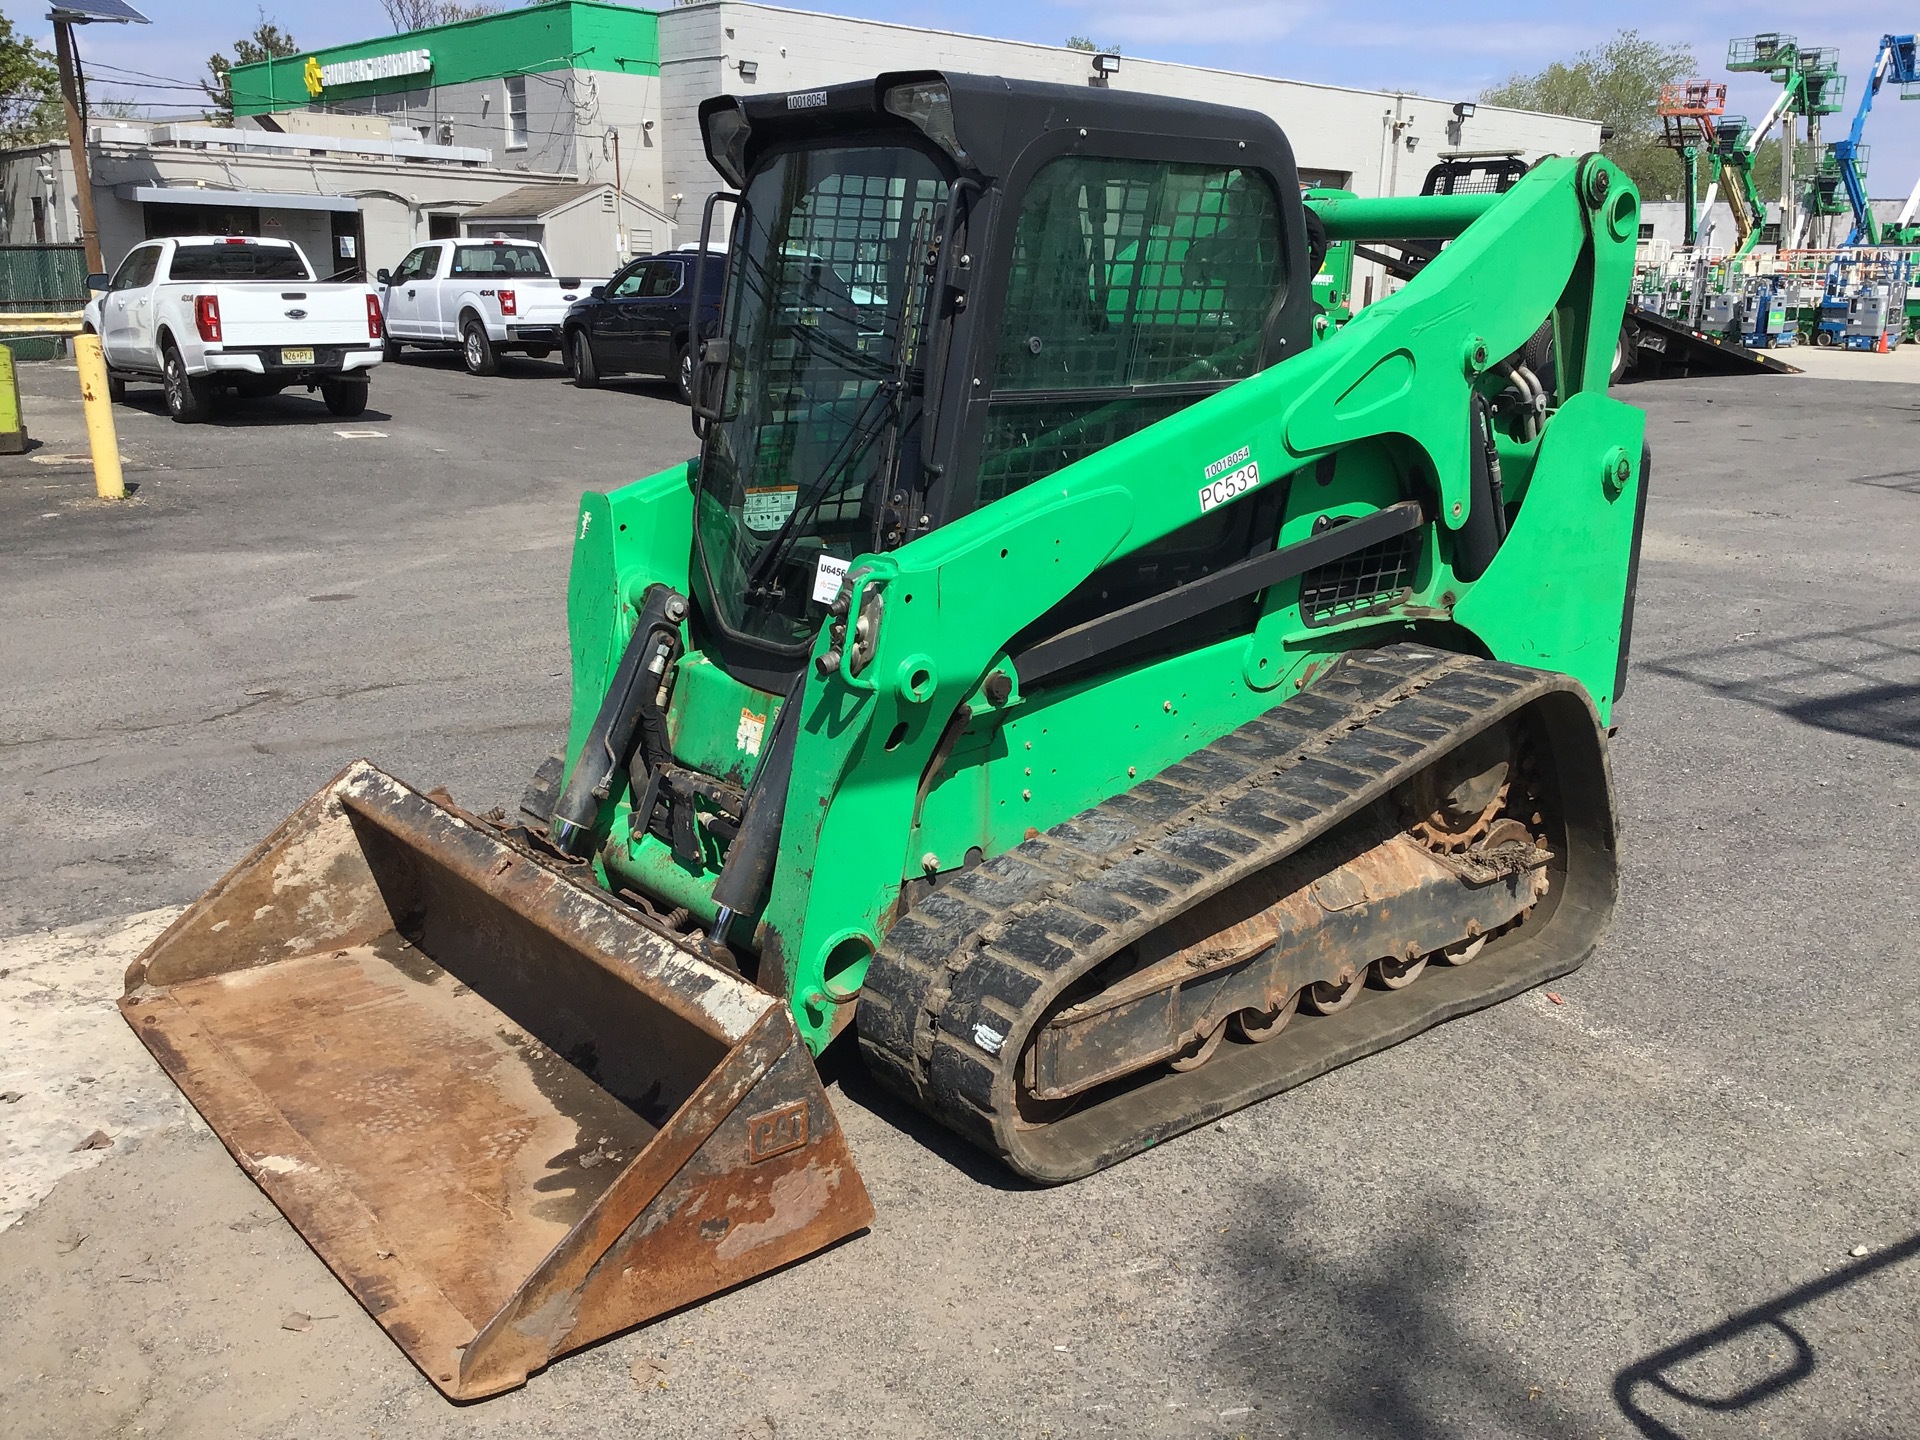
507	1113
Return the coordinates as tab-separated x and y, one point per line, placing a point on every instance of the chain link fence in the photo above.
41	277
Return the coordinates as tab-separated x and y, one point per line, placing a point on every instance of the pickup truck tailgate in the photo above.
540	301
281	313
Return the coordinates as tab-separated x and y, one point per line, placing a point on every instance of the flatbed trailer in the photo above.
1661	348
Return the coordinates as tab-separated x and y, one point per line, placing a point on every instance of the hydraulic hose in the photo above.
636	681
1479	536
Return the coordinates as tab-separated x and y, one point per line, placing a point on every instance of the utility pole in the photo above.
64	17
77	143
619	202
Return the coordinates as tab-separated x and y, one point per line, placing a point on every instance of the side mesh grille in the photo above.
1363	583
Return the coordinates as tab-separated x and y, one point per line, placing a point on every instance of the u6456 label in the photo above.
1235	483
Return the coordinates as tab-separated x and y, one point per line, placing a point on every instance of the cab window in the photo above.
662	279
496	257
137	269
1137	287
237	260
417	265
627	287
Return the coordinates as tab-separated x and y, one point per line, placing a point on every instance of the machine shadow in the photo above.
1906	480
847	1079
1879	712
1858	680
1334	1341
1649	1373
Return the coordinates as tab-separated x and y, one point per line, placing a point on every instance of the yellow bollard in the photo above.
99	410
13	428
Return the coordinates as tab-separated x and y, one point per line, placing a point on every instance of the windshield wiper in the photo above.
860	436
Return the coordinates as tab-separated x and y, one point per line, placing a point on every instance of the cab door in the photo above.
660	314
129	296
610	322
408	300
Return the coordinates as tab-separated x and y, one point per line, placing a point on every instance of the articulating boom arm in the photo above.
1898	60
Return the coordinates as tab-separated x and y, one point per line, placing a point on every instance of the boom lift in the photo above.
1898	61
1811	86
1733	145
1055	671
1687	113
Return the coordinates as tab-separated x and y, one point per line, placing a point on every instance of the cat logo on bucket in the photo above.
777	1132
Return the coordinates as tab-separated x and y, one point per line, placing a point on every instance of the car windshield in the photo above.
499	258
237	260
825	293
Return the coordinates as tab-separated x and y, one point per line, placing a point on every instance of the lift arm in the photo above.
1749	210
1896	60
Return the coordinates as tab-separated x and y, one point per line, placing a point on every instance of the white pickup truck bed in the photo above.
205	314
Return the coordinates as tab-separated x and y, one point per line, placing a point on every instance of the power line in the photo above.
143	74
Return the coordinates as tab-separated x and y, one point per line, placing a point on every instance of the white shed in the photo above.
589	230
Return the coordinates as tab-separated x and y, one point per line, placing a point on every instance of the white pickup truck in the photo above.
485	296
206	313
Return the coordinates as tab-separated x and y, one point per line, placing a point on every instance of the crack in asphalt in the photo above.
253	702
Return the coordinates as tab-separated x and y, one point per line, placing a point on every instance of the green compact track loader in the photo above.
1076	670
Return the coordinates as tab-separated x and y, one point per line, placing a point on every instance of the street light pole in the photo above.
65	15
77	143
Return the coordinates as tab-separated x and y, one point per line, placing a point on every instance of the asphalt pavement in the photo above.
1678	1196
285	592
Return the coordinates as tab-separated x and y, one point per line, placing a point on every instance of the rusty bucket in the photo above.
507	1113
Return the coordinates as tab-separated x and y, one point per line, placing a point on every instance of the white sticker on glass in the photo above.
769	509
828	578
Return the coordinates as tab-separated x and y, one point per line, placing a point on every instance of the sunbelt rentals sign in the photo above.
359	72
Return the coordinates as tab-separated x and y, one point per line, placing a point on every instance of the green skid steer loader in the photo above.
1073	664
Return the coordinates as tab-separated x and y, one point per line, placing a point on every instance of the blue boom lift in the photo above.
1898	61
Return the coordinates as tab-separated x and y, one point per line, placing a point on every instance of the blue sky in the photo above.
1383	44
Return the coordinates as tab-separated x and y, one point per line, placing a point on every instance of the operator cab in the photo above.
942	288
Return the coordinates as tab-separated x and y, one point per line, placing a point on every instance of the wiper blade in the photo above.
860	436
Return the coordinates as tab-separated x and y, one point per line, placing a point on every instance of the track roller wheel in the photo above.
1463	952
1254	1026
1200	1050
1391	974
1328	997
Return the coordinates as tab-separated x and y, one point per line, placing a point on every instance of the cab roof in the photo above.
226	240
993	118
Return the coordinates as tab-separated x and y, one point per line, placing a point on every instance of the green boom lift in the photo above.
1099	693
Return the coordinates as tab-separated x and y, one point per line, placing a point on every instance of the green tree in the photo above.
29	90
1617	83
1083	42
267	42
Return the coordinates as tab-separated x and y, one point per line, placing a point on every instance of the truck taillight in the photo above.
509	303
206	317
373	317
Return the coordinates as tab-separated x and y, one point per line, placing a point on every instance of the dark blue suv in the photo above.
641	322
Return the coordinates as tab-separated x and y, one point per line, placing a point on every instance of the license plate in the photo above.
296	357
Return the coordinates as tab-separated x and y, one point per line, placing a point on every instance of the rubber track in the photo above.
990	952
